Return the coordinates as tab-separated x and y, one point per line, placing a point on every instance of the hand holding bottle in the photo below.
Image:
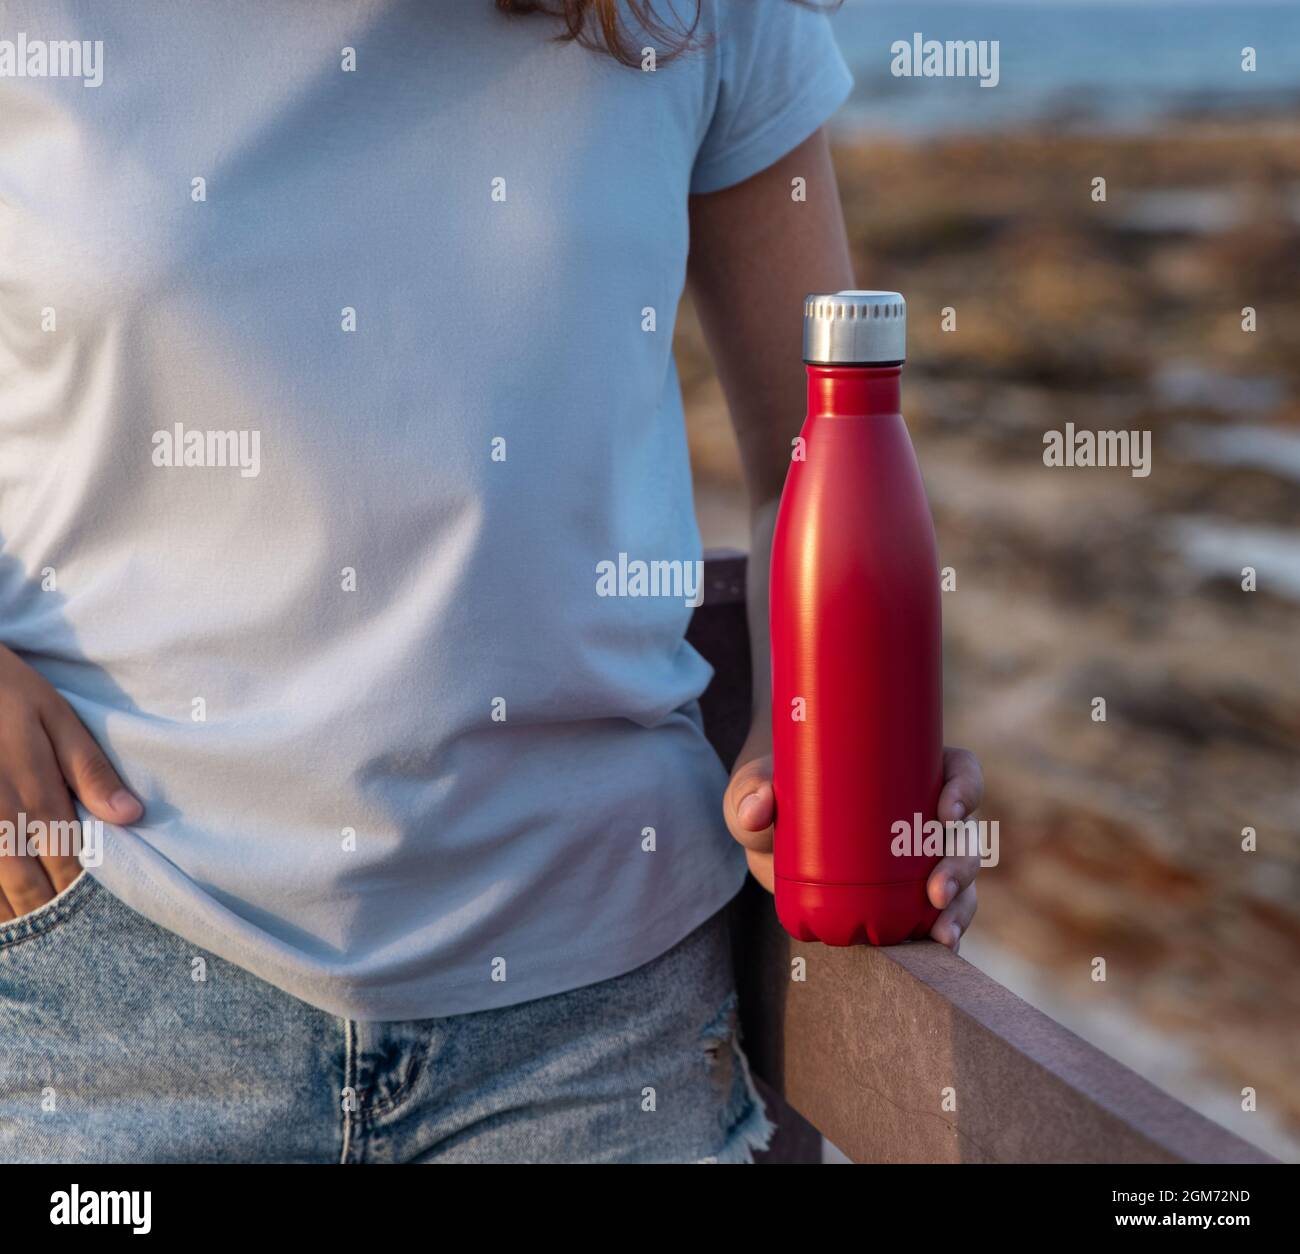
749	807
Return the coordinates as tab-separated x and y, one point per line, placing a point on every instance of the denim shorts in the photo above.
121	1042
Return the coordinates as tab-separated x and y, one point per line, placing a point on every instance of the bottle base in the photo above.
855	914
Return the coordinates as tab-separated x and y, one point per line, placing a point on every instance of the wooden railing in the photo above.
910	1054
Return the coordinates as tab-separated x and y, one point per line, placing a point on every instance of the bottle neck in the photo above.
849	391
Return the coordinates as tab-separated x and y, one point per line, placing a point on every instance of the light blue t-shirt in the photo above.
335	363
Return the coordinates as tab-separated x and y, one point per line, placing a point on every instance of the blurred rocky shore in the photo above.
1121	839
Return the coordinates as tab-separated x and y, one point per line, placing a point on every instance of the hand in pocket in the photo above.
46	757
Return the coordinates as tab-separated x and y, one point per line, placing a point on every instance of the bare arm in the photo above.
756	252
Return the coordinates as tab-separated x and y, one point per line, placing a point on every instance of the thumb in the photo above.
89	773
749	804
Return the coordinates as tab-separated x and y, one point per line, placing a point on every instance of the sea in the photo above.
1075	65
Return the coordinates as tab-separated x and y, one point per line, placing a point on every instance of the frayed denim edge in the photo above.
752	1132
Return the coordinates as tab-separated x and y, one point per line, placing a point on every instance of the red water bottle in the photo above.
857	701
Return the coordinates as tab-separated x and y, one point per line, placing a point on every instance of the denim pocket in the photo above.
57	910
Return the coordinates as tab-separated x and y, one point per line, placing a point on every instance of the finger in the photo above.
6	910
60	861
963	788
22	879
949	877
953	923
88	772
761	868
749	804
45	798
24	883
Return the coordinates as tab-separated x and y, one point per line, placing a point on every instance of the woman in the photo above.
336	360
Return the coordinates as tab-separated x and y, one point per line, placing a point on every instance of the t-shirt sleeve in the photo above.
780	75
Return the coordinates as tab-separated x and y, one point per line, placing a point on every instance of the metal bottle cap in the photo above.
854	328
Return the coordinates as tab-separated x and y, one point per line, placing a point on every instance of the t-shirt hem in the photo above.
431	997
618	959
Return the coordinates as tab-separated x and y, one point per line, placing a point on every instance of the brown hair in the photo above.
597	24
